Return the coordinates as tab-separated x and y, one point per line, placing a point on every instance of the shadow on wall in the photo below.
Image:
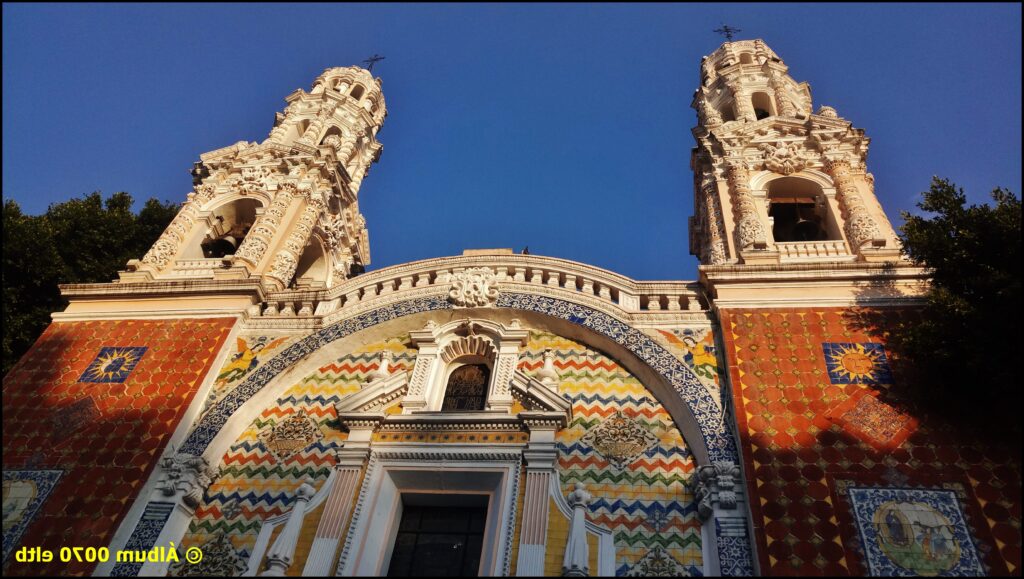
931	356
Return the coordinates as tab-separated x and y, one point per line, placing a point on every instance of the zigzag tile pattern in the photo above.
253	484
646	504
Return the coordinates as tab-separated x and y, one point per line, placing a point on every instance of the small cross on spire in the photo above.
369	62
727	31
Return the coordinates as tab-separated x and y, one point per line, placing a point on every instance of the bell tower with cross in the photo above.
777	183
281	213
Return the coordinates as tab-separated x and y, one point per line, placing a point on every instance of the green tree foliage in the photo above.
965	348
77	241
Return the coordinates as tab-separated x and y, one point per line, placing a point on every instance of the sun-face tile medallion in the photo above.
852	363
113	364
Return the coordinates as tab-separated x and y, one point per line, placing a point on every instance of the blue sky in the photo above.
562	127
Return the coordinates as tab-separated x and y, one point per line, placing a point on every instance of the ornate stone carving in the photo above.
620	439
784	158
716	252
752	233
420	373
744	106
287	261
715	483
709	115
186	474
784	104
258	240
861	228
827	112
473	288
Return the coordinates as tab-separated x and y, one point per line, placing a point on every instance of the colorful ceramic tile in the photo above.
909	532
856	363
24	492
872	420
113	364
144	536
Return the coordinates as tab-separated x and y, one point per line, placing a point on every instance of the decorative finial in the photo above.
369	62
727	31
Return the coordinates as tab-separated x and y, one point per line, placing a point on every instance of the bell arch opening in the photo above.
223	229
798	211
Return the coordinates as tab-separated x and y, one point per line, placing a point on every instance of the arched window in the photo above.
467	388
357	92
797	208
746	58
762	105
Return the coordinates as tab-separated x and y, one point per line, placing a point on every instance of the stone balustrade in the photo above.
509	270
794	250
196	267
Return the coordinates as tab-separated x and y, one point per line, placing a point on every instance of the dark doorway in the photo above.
440	541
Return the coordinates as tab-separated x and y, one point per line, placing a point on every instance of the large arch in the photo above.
692	408
603	321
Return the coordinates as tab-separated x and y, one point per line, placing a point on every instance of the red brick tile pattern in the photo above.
108	444
800	433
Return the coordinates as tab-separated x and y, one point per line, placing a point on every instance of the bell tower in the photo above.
776	182
284	211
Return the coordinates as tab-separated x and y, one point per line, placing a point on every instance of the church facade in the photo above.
248	389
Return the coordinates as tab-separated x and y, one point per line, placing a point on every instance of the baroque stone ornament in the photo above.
752	233
186	474
715	482
291	436
620	439
783	158
828	112
220	559
473	288
861	228
658	562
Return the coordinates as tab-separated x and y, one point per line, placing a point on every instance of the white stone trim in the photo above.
605	538
267	529
398	467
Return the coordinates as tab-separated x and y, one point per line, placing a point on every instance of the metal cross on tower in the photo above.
727	31
369	62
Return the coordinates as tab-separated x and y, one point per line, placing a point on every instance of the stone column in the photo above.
717	252
280	556
287	258
785	106
258	240
540	459
336	511
423	369
861	228
576	562
751	232
167	246
500	397
744	107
